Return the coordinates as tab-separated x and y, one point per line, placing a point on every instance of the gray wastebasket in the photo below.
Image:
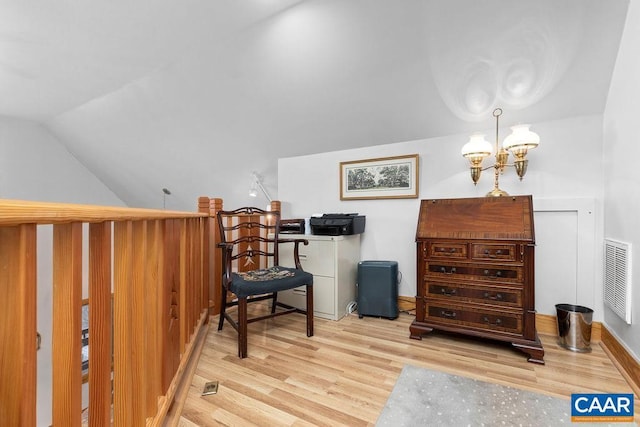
574	327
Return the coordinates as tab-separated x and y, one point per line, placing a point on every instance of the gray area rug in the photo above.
422	397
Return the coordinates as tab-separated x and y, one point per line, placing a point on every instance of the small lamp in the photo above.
255	184
475	151
518	143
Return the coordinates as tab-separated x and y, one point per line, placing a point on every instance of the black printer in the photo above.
337	224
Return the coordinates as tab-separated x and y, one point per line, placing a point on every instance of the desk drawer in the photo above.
451	250
507	273
473	317
510	296
494	252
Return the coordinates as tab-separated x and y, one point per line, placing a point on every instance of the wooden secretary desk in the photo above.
475	262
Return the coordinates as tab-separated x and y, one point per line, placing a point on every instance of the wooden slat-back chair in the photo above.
251	269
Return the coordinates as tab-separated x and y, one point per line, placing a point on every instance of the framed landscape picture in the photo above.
382	178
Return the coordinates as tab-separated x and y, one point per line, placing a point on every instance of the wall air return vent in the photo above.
617	278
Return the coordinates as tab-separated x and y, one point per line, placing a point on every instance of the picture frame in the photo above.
380	178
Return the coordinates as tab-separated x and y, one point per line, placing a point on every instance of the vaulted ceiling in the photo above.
153	94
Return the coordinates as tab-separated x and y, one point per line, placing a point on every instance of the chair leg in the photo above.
274	302
309	310
223	307
242	327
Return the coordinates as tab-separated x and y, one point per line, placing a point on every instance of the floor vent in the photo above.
617	278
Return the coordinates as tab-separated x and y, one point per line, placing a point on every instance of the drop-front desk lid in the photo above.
495	218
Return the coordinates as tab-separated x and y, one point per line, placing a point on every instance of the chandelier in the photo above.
518	143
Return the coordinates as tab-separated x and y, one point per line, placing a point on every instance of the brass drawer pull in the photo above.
452	270
443	249
493	254
497	322
447	291
498	274
496	297
448	314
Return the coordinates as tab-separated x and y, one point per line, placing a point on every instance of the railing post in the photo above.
100	322
211	206
122	324
170	323
154	285
18	325
138	324
204	225
67	324
183	274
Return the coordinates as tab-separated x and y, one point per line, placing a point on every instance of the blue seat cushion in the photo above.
263	281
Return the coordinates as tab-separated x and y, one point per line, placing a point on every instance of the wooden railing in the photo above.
148	281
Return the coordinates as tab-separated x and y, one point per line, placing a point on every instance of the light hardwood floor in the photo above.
344	374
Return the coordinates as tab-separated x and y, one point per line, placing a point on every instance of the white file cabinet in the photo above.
333	261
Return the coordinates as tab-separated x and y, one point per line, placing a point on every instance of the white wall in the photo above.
320	76
35	166
621	152
566	185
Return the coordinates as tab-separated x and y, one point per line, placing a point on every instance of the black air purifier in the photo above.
378	289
